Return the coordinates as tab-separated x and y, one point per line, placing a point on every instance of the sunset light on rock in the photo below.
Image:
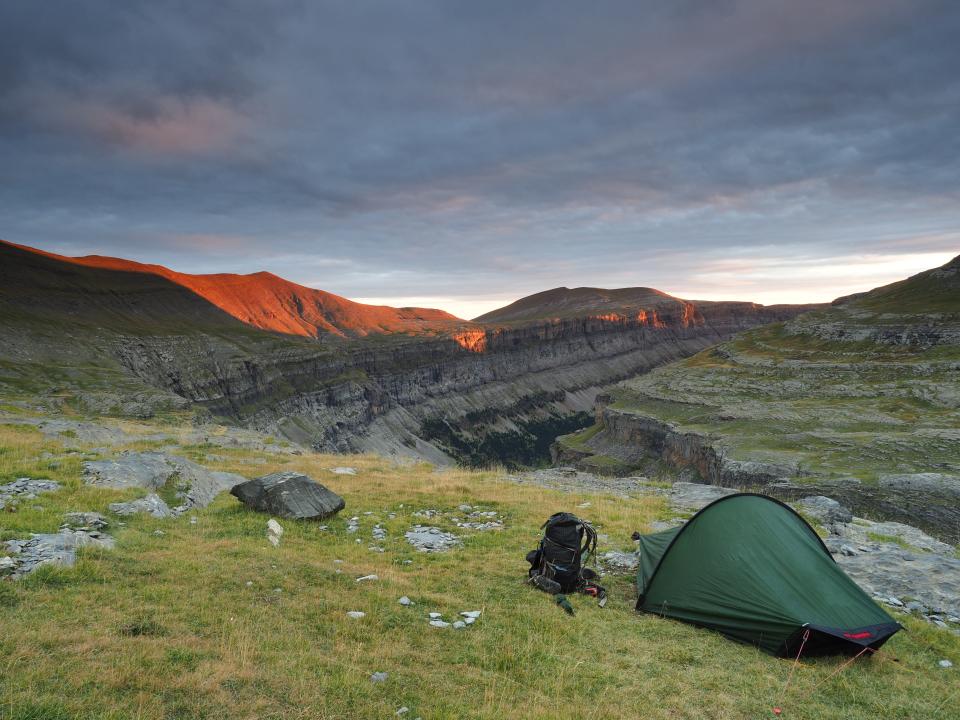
479	360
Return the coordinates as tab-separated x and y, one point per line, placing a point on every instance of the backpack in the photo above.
567	543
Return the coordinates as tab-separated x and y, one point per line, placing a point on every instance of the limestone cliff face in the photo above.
491	380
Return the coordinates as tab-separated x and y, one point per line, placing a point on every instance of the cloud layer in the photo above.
475	152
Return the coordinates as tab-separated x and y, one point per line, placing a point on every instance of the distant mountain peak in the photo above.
269	302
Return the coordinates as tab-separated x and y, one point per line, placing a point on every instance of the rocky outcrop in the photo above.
927	500
289	495
193	485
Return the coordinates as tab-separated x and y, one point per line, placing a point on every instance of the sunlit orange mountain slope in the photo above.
268	302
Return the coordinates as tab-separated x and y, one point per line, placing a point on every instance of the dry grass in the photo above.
166	627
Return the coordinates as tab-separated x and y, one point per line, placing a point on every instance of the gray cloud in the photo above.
386	149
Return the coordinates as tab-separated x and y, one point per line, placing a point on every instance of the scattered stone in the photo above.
435	615
379	677
945	664
85	520
431	539
894	601
249	583
459	625
379	532
366	578
584	505
439	624
343	471
471	614
274	532
193	520
405	601
289	495
825	510
470	620
7	565
481	520
353	524
151	504
847	550
159	533
402	711
356	614
914	606
620	561
24	489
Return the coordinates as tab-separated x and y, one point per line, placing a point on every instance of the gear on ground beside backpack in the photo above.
557	565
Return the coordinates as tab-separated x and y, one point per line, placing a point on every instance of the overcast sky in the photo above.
463	154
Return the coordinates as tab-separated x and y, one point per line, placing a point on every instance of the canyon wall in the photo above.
484	394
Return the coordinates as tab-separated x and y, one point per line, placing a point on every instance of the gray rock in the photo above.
694	496
405	601
862	531
86	520
151	504
620	561
945	664
52	549
431	539
25	489
195	485
289	495
379	677
356	614
343	471
847	550
439	623
825	510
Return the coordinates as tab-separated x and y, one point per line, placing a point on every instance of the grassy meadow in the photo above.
208	620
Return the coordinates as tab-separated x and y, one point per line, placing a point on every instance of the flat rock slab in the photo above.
862	531
289	495
196	485
694	496
887	570
51	549
152	504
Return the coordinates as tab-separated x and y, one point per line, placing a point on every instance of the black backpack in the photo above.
567	543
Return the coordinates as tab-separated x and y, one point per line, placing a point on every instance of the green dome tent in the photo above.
751	568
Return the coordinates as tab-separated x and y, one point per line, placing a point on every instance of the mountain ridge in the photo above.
268	302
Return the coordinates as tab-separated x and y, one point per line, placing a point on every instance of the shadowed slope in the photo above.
268	302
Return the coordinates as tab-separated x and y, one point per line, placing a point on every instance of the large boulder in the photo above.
289	495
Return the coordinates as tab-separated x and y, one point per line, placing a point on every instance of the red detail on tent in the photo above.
858	636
